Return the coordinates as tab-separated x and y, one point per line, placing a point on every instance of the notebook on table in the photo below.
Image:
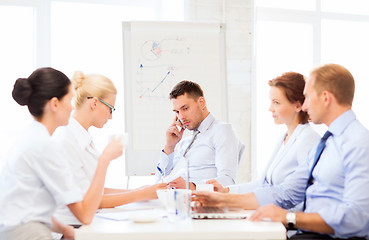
219	213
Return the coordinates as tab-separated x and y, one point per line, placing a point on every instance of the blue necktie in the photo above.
318	153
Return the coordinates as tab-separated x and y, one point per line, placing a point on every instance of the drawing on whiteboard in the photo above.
153	50
147	87
161	82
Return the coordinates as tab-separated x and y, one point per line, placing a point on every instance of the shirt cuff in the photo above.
332	217
164	160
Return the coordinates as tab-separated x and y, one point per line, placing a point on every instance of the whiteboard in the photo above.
156	56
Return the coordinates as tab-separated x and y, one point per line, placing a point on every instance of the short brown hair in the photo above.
292	84
191	88
337	80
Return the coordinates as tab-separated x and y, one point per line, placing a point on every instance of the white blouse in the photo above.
35	179
80	152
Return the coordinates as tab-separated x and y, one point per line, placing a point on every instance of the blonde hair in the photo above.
93	85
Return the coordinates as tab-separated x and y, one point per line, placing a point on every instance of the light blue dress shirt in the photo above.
339	193
213	155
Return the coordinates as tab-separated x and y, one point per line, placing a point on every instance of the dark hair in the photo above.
292	84
191	88
41	86
337	80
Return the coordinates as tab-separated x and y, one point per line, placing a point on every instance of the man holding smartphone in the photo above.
213	149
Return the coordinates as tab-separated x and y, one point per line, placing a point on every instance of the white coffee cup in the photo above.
177	203
124	137
205	187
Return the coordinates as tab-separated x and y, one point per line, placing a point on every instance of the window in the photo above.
287	4
17	60
343	6
281	47
335	36
291	38
72	35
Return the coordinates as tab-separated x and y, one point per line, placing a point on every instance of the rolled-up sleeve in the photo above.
287	194
350	217
245	187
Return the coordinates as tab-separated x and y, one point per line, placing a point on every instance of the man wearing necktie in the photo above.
333	182
212	151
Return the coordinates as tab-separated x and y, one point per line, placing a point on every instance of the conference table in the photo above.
148	220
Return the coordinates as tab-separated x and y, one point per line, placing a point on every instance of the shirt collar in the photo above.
37	125
299	129
206	123
83	137
341	122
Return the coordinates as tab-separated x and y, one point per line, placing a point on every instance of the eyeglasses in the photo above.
112	109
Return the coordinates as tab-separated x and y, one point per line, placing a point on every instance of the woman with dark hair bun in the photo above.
41	86
35	177
286	100
22	91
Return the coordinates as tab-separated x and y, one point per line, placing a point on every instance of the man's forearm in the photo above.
245	201
312	222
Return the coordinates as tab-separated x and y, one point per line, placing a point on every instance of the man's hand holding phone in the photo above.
174	134
180	125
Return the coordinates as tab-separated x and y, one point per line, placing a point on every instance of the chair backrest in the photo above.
241	152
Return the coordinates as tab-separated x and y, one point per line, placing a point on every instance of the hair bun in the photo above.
78	79
22	91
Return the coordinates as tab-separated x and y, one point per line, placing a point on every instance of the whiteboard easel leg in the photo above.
127	182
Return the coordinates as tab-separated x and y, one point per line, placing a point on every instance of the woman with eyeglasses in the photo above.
36	177
94	103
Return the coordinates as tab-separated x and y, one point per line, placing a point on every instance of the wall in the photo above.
238	17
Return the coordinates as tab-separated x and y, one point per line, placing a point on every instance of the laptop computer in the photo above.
219	213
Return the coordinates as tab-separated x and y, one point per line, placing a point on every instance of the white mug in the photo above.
124	137
177	203
205	187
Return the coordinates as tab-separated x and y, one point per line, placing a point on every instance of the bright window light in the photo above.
345	6
16	60
281	47
350	50
287	4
